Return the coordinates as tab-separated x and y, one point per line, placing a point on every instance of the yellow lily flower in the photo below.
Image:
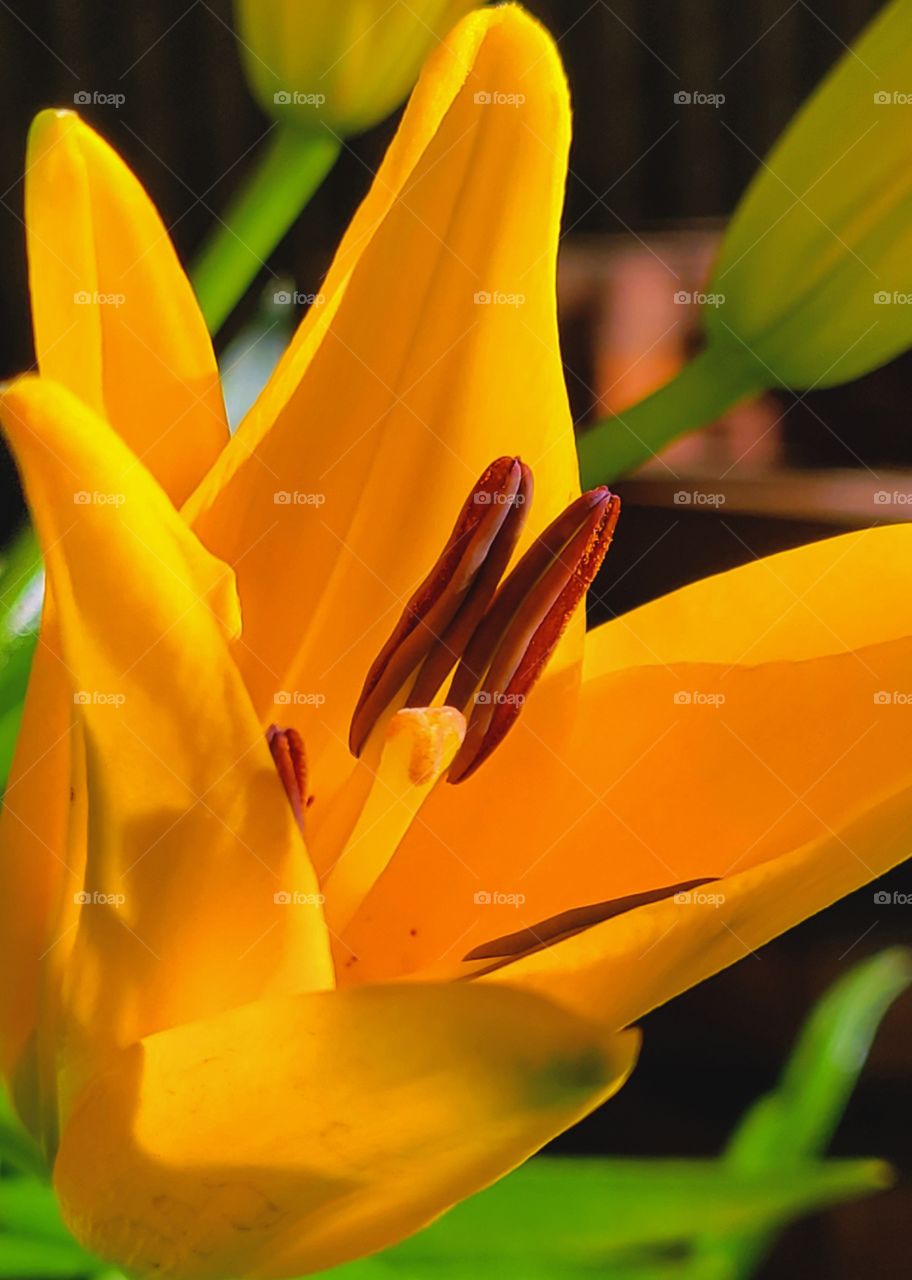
242	949
338	64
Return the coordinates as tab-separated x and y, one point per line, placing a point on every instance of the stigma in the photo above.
497	631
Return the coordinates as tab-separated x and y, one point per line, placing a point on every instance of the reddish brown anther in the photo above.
287	747
521	630
430	635
500	636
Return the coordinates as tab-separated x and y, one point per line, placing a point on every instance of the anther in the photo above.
287	748
512	646
429	637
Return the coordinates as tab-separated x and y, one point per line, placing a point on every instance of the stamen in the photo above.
427	640
556	928
418	746
288	752
521	630
501	637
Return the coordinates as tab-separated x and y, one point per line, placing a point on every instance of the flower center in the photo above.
498	635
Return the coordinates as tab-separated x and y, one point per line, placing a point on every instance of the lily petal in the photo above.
191	835
115	320
827	597
671	775
114	315
396	1102
34	829
620	970
436	351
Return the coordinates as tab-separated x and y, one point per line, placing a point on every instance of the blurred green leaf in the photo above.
813	281
28	1207
795	1123
816	264
21	586
24	1256
555	1217
17	1149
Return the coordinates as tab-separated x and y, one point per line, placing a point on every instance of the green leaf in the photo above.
28	1207
24	1256
823	235
796	1122
555	1215
20	607
17	1149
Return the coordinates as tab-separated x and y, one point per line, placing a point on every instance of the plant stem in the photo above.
291	167
712	382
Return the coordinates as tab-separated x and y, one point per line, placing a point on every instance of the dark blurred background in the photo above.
651	183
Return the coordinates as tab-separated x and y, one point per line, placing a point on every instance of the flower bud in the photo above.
340	64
